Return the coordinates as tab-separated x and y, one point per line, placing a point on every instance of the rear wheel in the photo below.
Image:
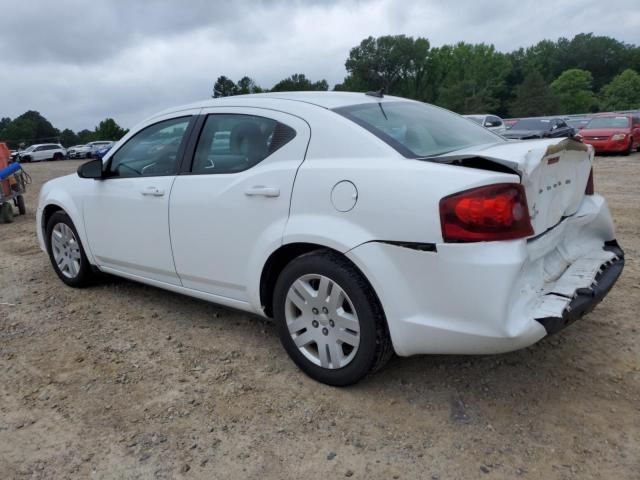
329	320
57	156
66	252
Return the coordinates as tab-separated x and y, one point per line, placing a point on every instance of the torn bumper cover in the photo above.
584	299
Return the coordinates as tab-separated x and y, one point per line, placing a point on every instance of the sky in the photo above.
80	61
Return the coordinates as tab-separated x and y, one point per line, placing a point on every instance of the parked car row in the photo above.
55	151
615	132
89	150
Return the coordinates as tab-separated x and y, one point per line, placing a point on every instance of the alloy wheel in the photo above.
322	321
66	250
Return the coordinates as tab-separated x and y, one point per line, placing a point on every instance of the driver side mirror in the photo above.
91	169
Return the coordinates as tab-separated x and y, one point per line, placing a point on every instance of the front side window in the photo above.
151	152
231	143
418	129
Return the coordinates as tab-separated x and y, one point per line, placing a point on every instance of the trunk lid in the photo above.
553	172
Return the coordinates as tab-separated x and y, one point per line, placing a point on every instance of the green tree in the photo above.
29	128
623	93
533	98
108	129
473	78
299	82
4	121
86	136
395	63
68	138
247	85
224	87
574	91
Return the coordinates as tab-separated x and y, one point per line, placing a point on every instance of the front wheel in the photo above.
66	252
57	156
329	320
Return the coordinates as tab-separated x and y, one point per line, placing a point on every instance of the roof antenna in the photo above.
376	93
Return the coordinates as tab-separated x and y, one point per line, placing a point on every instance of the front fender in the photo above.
62	193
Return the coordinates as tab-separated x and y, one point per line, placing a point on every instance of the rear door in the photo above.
231	205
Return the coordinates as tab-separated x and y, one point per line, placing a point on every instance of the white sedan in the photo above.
364	225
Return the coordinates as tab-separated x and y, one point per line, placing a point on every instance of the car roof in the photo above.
323	99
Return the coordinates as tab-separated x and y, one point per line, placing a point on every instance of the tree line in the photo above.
31	127
587	73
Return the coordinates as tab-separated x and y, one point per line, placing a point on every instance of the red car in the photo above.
612	133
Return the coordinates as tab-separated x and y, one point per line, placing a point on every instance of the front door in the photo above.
126	214
233	204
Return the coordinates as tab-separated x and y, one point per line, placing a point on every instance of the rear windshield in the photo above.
532	124
609	122
418	129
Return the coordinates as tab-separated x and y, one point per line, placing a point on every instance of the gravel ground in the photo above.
127	381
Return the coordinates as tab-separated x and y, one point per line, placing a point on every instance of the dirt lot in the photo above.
127	381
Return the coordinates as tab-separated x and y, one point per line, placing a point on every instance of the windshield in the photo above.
418	129
532	124
609	122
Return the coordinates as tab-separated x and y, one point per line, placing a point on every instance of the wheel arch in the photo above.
61	203
282	256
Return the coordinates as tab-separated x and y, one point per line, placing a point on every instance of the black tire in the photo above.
57	156
88	155
628	151
22	209
86	275
374	349
25	159
6	212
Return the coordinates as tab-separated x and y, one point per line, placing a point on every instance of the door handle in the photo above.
153	192
262	191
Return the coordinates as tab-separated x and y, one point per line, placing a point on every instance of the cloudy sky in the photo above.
79	61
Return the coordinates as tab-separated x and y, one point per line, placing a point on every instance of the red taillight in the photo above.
484	214
590	190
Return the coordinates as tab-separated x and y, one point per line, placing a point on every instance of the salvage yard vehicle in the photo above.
612	133
363	224
43	151
529	128
490	122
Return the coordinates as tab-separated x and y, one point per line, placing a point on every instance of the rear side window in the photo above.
232	143
417	129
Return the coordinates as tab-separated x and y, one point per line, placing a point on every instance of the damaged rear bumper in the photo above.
585	299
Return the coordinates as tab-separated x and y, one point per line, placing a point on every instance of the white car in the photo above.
71	151
42	151
363	225
490	122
